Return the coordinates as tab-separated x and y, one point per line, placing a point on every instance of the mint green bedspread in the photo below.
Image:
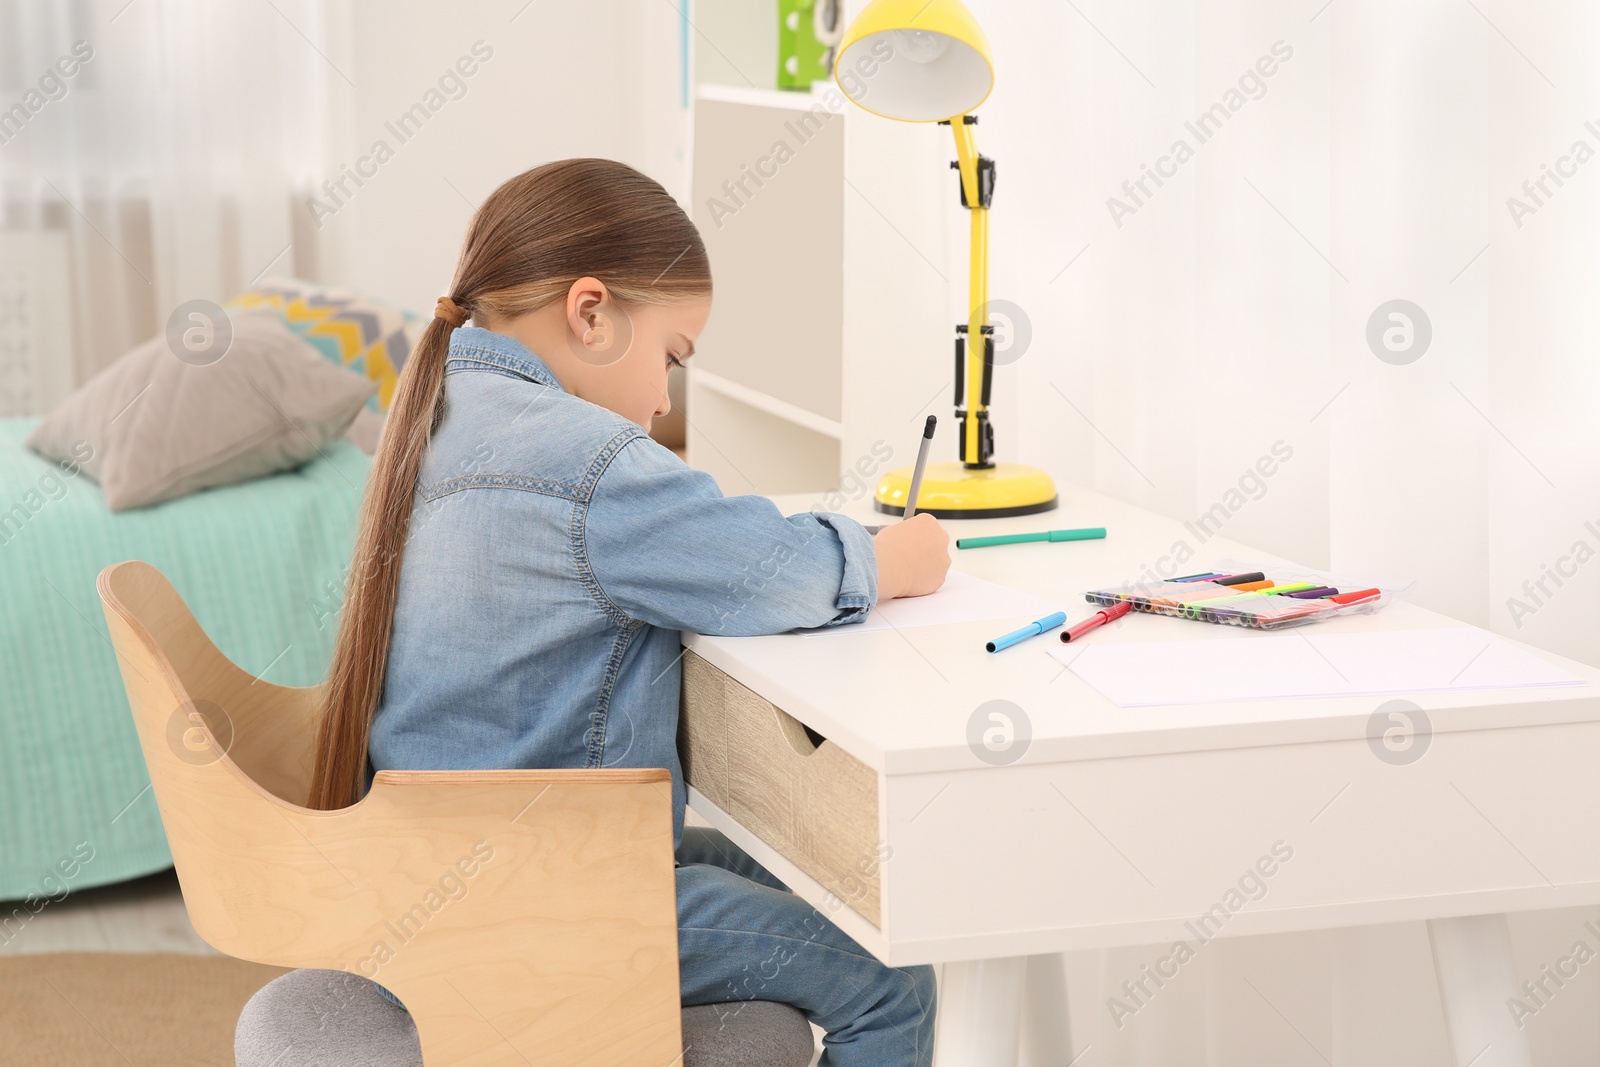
262	566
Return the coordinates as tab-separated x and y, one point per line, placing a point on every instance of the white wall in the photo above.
598	78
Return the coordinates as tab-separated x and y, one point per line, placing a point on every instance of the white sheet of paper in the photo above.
1134	674
962	598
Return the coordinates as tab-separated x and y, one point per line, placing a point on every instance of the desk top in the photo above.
900	700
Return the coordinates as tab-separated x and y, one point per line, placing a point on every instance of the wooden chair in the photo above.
522	916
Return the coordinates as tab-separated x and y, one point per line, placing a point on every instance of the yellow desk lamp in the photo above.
940	70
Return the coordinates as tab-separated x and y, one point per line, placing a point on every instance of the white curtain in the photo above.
1185	329
158	151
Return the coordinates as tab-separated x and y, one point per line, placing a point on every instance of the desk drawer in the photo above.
815	804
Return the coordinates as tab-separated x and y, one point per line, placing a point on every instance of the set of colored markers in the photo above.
1249	599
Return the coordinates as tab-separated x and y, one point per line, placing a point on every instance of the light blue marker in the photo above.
1033	629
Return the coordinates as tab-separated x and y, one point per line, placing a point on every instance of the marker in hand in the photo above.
922	463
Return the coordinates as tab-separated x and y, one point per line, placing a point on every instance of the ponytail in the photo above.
360	654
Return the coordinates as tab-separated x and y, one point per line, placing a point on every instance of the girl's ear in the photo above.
600	332
586	301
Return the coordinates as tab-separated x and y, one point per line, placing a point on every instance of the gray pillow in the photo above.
158	426
367	430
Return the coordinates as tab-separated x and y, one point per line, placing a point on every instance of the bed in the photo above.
261	564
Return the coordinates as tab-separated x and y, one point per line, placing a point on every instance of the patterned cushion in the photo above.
352	330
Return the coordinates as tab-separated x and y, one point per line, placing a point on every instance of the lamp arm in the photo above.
977	190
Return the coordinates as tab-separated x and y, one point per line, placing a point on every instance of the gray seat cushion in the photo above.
314	1018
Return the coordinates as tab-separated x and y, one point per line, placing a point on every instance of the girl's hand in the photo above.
913	557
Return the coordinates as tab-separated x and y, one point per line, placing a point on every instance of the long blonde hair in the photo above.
535	235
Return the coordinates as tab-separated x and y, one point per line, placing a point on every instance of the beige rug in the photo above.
88	1009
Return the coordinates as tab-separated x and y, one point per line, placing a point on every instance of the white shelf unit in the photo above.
830	335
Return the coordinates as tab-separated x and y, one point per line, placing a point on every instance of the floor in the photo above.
142	915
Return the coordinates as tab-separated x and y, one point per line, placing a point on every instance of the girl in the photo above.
527	556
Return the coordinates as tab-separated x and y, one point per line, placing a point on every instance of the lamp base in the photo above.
951	491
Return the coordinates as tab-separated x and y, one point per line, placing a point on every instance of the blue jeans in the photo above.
743	936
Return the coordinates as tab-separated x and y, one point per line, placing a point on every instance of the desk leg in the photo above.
1046	1035
1472	961
1002	1013
980	1013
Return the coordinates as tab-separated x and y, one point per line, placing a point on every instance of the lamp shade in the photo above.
928	61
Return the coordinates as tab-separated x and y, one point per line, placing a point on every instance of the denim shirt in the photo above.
554	554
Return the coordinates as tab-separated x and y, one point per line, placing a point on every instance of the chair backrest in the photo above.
201	721
268	731
517	913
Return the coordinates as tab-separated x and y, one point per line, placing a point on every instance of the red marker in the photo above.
1357	597
1098	619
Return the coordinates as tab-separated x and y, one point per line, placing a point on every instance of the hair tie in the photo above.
448	310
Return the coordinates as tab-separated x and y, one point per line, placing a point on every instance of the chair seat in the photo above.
317	1018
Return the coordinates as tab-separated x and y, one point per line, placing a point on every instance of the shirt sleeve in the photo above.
663	545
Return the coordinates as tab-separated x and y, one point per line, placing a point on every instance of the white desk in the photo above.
1120	826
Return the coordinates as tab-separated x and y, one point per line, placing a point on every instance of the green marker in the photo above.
1200	608
1090	533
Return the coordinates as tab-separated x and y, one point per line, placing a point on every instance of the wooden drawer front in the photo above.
815	804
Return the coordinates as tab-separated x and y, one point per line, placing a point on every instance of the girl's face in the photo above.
611	356
631	350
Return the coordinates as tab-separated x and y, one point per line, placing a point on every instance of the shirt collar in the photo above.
473	344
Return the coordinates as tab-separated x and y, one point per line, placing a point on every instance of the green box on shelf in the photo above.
802	57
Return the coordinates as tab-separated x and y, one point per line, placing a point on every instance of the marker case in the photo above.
1220	604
